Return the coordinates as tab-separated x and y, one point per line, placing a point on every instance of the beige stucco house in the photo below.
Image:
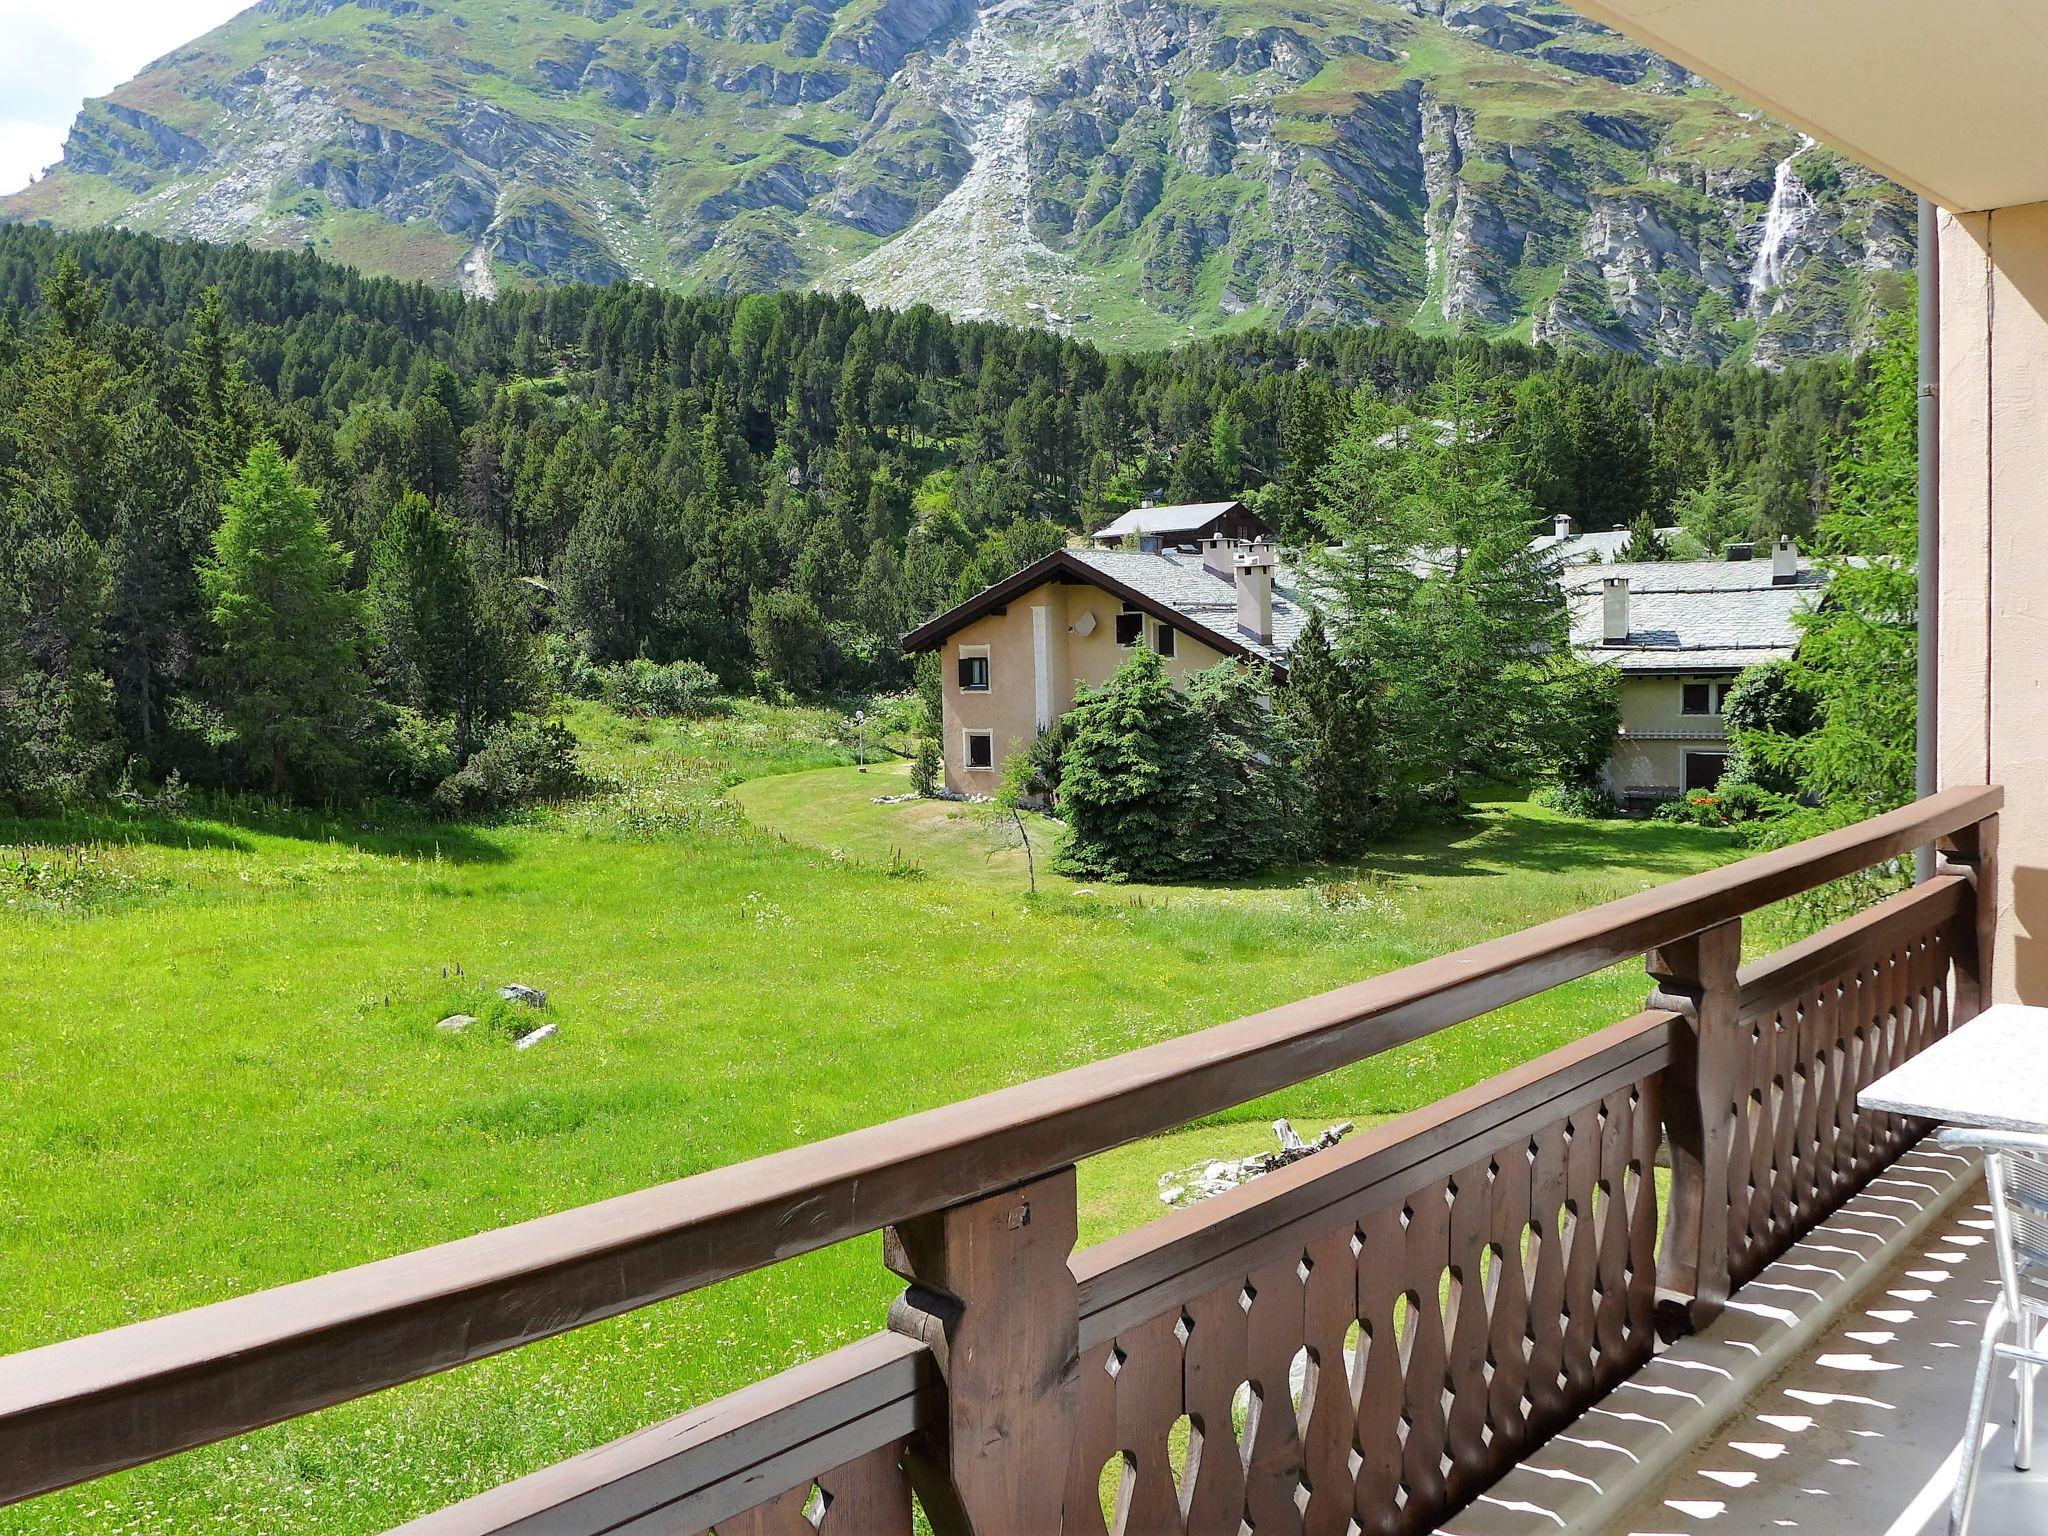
1680	632
1012	655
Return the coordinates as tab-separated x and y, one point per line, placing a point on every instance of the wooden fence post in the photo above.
1973	854
1695	978
992	1296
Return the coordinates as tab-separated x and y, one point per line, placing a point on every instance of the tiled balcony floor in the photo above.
1860	1436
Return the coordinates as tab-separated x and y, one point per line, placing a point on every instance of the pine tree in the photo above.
1341	763
622	565
444	641
287	666
1645	541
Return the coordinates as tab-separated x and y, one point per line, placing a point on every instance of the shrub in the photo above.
676	688
520	763
926	768
569	668
1728	804
1586	800
409	753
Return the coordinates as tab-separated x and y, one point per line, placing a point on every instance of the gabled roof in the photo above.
1692	615
1577	548
1184	518
1173	588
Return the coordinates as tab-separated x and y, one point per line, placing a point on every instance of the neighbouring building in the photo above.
1151	529
1574	548
1012	656
1680	631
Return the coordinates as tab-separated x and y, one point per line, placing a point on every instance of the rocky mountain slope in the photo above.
1134	170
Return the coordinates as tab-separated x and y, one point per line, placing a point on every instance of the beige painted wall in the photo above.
1993	714
1656	734
1009	709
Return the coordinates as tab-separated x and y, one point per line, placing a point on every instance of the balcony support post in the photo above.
993	1297
1695	979
1973	854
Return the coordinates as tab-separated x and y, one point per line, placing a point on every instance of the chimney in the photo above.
1219	556
1739	551
1255	591
1614	610
1147	504
1784	561
1561	526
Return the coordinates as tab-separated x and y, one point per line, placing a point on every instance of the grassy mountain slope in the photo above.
1133	170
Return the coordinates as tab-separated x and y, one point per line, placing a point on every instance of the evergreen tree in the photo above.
621	567
1645	541
1340	760
444	641
286	666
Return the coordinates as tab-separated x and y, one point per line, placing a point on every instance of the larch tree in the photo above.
287	665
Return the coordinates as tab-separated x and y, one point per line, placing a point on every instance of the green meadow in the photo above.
220	1068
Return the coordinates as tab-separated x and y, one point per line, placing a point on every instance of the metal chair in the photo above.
2016	1175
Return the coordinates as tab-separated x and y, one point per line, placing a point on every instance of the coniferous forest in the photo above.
266	522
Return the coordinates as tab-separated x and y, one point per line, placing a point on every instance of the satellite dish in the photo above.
1085	625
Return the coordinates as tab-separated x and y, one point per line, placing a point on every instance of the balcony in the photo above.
1404	1332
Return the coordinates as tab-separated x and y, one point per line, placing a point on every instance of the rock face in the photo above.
1135	170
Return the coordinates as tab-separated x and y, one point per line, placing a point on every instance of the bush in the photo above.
520	763
408	753
677	688
569	669
1728	804
1585	800
926	768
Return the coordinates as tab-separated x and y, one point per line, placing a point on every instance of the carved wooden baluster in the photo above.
992	1297
1812	1088
1695	979
1469	1324
1781	1217
1581	1255
868	1497
782	1515
1214	1365
1548	1406
1148	1398
1377	1393
1093	1444
1508	1307
1329	1304
1272	1337
1427	1252
1610	1315
1647	1127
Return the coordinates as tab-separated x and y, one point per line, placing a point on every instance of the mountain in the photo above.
1130	170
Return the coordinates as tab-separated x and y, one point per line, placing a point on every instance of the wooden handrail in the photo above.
94	1405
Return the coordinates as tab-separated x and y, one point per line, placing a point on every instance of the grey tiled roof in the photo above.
1693	615
1208	601
1578	548
1184	518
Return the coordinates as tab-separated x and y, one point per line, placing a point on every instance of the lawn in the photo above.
219	1067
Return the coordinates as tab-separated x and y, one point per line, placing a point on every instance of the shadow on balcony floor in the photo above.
1859	1437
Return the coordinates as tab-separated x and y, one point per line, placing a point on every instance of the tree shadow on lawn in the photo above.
232	825
1478	844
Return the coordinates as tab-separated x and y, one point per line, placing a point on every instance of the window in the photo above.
1130	626
981	749
1702	698
974	672
1165	640
1703	770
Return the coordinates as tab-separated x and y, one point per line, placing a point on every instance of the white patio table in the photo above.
1991	1072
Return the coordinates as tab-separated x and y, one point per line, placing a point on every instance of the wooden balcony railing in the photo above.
1373	1334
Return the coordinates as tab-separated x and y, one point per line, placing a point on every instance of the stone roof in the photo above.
1692	615
1185	518
1578	548
1208	601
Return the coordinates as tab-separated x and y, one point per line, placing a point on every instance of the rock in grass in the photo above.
525	996
543	1033
456	1023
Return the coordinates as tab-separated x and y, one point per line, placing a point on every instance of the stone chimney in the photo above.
1784	561
1561	526
1255	590
1614	610
1219	556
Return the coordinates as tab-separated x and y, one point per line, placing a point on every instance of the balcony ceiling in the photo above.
1946	97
